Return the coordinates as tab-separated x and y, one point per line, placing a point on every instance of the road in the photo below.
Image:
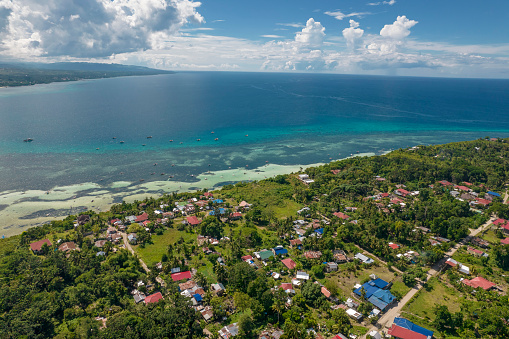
385	322
145	267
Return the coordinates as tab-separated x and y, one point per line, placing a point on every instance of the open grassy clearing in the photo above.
152	253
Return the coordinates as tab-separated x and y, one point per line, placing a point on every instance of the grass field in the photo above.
152	253
9	244
399	287
491	237
422	304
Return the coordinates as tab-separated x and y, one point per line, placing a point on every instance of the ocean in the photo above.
123	138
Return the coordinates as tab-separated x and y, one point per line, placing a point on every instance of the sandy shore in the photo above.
21	210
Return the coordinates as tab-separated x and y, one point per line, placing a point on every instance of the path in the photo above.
145	267
385	322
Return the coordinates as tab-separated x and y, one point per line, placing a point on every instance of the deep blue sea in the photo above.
256	117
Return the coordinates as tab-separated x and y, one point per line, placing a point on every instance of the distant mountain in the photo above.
23	74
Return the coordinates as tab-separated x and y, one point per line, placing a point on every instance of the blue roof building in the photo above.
221	211
197	297
402	322
379	283
381	299
372	286
217	201
495	194
319	231
279	250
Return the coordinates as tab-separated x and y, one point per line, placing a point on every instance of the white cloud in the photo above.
353	34
390	3
291	24
313	34
340	15
89	28
272	36
399	29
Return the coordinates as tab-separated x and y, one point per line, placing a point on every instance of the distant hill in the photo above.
24	74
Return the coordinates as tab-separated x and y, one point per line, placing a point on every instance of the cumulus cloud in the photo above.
313	34
340	15
353	34
94	28
399	29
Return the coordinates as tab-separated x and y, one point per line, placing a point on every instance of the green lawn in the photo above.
491	237
422	304
152	253
359	330
9	244
208	271
399	287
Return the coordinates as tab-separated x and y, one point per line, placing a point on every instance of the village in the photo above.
212	246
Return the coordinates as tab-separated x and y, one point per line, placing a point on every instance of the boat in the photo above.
122	142
28	140
198	139
149	137
171	140
216	139
212	132
114	137
143	145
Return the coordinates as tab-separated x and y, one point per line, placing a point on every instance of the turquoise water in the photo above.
256	117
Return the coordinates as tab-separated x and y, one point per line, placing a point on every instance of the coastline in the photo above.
31	208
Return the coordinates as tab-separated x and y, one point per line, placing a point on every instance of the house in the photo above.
371	287
271	334
505	241
153	298
399	332
131	237
305	179
138	296
494	194
476	252
207	313
354	314
289	263
341	215
188	285
339	256
312	254
193	220
36	247
480	242
68	246
296	243
364	259
340	336
236	216
279	250
331	266
218	288
326	292
287	287
229	331
445	183
247	258
244	204
264	255
407	324
462	188
112	230
382	299
141	218
301	275
461	268
374	334
401	192
181	275
393	246
479	282
351	303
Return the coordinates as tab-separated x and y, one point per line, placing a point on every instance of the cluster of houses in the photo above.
66	247
466	193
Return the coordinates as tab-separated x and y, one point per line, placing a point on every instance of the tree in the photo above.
443	317
312	292
239	274
246	326
241	301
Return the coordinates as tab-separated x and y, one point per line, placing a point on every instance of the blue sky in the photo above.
396	37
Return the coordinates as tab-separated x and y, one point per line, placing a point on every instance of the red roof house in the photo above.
326	292
335	171
499	221
208	194
289	263
295	242
247	257
467	183
479	282
402	192
403	333
153	298
181	275
193	220
286	286
341	215
474	251
384	195
483	202
37	246
463	188
505	241
445	183
393	246
141	217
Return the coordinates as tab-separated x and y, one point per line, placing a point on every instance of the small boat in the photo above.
216	139
122	142
155	164
149	137
28	140
143	145
181	142
114	137
212	132
97	148
198	139
247	135
162	173
171	140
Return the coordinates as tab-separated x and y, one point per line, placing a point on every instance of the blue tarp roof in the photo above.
381	298
368	288
319	231
402	322
221	211
218	201
280	250
494	193
197	297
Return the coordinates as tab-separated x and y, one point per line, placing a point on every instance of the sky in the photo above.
450	38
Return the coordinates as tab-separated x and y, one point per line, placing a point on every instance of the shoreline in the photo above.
31	208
